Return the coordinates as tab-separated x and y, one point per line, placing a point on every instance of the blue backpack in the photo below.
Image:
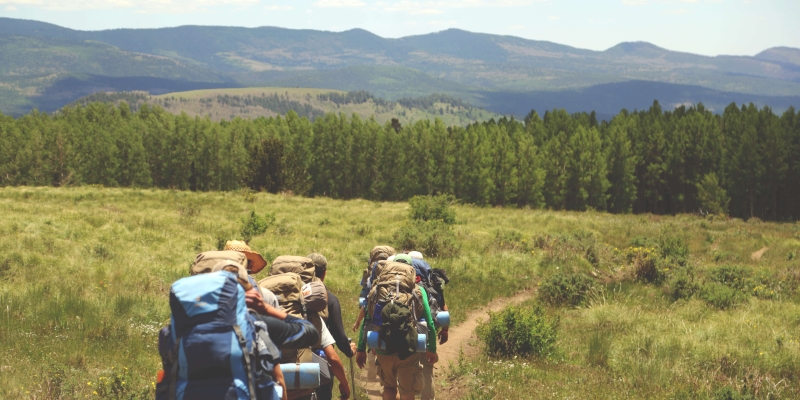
213	348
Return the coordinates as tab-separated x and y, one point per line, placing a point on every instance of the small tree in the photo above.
712	196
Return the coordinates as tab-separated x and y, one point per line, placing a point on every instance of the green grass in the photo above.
85	275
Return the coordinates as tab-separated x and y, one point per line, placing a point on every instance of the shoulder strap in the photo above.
173	383
248	369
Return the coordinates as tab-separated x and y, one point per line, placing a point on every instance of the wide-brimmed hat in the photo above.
256	262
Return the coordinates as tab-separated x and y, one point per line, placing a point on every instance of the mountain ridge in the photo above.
461	63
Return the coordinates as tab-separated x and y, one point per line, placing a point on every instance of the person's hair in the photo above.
244	282
320	270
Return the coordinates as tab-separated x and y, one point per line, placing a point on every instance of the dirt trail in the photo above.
757	255
460	337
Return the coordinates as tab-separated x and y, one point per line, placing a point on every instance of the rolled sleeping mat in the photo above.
372	342
443	319
362	302
308	374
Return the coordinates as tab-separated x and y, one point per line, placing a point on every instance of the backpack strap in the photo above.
297	373
173	383
247	367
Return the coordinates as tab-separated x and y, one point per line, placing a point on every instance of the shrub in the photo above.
673	247
255	225
733	276
729	393
434	238
519	330
721	296
646	267
432	208
566	289
683	286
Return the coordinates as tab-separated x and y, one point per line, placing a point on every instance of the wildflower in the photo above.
88	383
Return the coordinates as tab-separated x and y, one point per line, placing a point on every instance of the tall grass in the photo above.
85	275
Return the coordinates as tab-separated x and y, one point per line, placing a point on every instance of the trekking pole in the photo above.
353	379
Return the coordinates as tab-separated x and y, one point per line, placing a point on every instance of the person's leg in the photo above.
409	377
390	393
325	392
387	373
428	392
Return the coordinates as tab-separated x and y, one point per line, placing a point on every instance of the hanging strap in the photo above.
297	372
247	367
173	383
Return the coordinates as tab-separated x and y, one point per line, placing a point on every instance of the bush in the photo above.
646	267
519	331
255	225
432	208
722	296
566	289
729	393
683	286
733	276
673	247
434	238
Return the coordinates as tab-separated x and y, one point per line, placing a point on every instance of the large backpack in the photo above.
394	283
288	277
213	348
204	262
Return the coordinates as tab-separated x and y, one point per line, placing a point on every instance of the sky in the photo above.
709	27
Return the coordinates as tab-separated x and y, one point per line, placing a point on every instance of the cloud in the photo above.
679	11
516	27
634	2
140	6
278	8
553	17
340	3
11	8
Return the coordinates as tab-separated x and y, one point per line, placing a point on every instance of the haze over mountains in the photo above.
46	66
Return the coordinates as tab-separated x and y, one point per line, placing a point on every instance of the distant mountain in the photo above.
478	67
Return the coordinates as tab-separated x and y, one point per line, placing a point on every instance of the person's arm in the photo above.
291	333
431	354
361	352
361	313
278	374
336	327
338	371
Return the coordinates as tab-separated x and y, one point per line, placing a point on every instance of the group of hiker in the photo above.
232	337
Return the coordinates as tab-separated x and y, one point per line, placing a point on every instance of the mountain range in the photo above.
46	66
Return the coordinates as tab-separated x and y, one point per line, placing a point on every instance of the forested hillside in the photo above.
46	67
249	103
745	162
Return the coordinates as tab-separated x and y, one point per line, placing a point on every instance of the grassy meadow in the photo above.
204	103
85	275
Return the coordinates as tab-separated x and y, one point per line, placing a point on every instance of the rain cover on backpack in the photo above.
209	350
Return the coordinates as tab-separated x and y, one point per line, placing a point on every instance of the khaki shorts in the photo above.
406	375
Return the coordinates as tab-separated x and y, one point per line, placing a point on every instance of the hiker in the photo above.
334	325
425	276
378	253
199	357
394	301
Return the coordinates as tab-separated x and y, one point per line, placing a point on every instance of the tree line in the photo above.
744	161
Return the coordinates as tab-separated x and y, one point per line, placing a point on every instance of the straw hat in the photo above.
256	262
